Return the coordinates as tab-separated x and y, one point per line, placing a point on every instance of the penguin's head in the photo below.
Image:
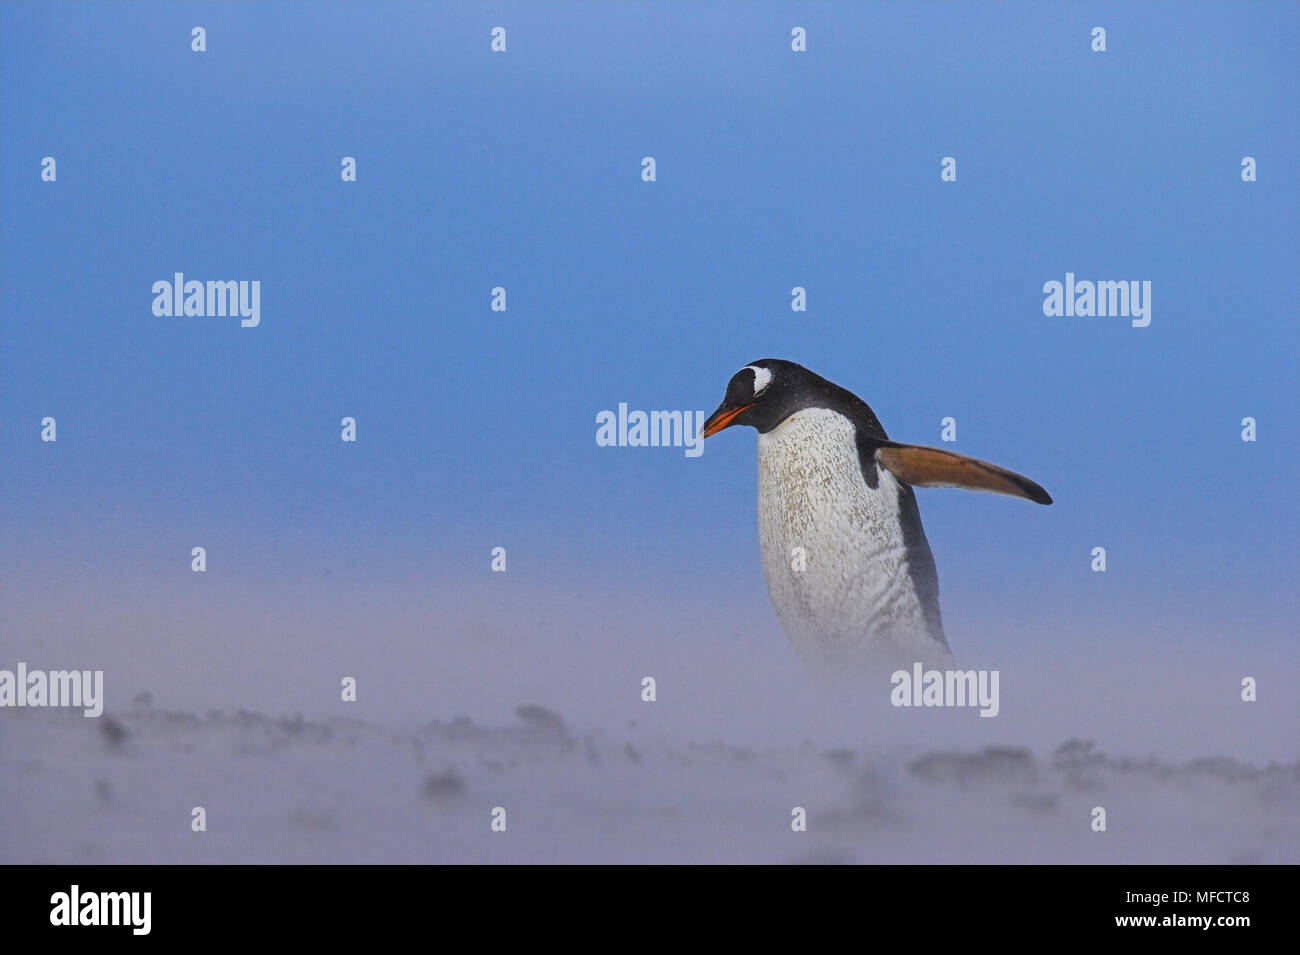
766	392
762	395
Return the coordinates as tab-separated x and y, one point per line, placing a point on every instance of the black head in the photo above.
766	392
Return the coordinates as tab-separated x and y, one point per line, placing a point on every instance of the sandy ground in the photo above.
121	789
511	698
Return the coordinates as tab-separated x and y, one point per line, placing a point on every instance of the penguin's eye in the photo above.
762	378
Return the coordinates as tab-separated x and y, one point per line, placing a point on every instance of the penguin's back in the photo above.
847	564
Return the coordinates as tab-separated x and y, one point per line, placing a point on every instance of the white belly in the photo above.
865	594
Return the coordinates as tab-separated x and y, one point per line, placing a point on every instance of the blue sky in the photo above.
775	169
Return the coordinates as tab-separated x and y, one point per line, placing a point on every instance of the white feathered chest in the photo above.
848	567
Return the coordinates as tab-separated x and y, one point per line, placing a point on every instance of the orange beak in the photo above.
722	418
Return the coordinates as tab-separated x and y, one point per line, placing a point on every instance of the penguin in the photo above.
845	557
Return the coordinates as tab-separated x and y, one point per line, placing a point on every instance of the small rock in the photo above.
540	717
113	731
444	785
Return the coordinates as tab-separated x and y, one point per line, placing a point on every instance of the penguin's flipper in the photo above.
932	467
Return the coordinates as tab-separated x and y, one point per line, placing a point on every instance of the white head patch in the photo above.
762	378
